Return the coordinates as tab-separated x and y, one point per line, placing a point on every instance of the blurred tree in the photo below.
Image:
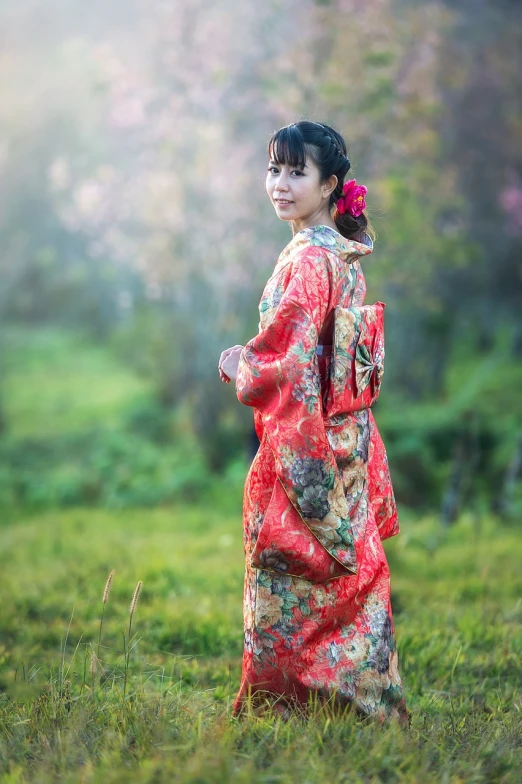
132	156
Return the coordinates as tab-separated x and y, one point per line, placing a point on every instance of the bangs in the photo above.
287	146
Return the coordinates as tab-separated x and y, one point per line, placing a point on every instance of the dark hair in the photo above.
327	149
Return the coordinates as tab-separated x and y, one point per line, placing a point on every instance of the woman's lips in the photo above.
283	202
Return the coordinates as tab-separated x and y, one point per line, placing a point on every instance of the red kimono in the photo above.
318	498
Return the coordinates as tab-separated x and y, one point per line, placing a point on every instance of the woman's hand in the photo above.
228	362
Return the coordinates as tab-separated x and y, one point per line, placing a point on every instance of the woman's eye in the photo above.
272	169
298	172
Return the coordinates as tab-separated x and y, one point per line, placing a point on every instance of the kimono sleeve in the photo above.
278	374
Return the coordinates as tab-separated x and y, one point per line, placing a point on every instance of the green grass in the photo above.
56	382
457	603
158	710
81	429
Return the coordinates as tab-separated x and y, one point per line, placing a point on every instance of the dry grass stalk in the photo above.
94	665
108	587
127	643
135	598
105	599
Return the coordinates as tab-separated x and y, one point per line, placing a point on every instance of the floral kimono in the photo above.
318	497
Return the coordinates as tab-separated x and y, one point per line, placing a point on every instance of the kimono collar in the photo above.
327	238
330	239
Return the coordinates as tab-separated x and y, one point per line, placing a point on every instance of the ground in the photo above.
161	713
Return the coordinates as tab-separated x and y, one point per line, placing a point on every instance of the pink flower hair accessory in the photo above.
352	200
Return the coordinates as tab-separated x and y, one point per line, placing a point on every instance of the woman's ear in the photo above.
330	185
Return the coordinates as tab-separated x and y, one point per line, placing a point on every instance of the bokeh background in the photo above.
135	241
136	235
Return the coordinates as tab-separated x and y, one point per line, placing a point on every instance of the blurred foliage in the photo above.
133	210
85	430
113	469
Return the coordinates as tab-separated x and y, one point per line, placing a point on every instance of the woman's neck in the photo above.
319	218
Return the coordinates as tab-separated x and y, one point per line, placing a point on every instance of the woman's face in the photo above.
298	194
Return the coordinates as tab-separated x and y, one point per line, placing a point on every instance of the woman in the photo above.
318	498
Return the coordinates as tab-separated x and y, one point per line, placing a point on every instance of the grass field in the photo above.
55	381
151	703
162	713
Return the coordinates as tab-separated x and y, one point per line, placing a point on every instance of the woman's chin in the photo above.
285	213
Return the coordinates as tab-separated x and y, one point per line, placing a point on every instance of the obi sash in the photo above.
352	367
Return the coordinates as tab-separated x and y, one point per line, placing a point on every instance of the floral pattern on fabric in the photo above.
317	501
278	374
357	358
380	486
